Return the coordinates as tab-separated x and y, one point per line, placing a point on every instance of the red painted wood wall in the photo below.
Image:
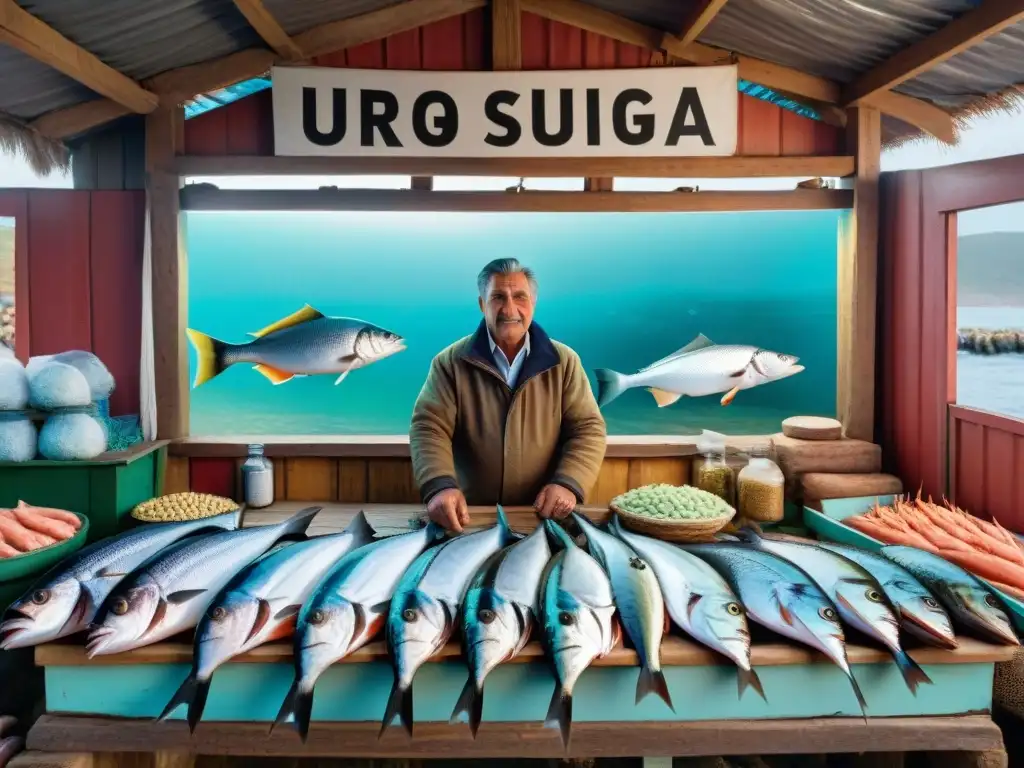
245	127
987	465
78	278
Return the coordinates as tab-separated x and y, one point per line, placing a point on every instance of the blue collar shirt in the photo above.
510	371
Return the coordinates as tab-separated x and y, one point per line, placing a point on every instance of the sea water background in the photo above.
991	382
622	289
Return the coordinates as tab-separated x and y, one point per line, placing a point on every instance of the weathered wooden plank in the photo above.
390	480
674	471
176	475
612	480
352	480
311	479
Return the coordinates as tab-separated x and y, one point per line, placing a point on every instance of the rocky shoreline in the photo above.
985	341
7	322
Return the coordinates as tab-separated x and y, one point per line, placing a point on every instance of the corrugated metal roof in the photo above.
29	88
299	15
663	14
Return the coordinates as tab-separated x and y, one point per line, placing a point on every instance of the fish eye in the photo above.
218	613
409	615
486	615
930	602
734	609
119	607
565	618
873	595
827	613
317	617
991	600
40	596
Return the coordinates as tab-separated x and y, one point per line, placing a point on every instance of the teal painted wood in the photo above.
521	692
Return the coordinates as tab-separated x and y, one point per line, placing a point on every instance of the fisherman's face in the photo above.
508	308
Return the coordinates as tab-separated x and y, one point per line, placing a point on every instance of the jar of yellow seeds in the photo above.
761	488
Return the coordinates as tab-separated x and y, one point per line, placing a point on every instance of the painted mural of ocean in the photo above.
993	383
621	289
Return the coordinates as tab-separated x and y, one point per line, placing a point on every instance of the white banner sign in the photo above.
650	112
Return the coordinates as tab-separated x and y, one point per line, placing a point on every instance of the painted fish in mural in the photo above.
498	614
259	605
577	613
968	599
169	593
858	596
700	368
781	597
638	597
305	343
65	600
921	615
699	601
345	612
423	609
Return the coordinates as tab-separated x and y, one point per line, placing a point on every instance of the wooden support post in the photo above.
598	184
170	276
857	279
506	35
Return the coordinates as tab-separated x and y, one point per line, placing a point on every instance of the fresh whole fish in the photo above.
968	599
637	595
305	343
499	611
345	612
920	614
700	368
699	601
858	596
577	613
65	600
169	593
422	613
781	597
259	605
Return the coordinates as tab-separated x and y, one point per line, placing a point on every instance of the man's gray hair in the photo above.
504	267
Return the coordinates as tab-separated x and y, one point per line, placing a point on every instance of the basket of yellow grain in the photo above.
672	512
179	507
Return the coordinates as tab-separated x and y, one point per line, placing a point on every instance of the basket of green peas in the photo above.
672	512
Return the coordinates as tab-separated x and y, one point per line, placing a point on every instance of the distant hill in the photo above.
990	270
7	260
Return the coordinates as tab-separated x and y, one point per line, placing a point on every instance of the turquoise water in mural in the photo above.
622	289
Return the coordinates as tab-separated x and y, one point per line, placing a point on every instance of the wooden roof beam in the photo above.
23	31
697	20
956	37
266	27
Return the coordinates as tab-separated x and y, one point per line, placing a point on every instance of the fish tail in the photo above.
471	702
209	355
506	530
299	522
860	696
610	384
913	675
651	681
400	705
560	713
749	678
559	533
192	692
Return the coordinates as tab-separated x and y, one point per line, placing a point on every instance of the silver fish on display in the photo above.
968	599
700	368
500	609
857	595
577	612
259	605
345	612
781	597
305	343
169	593
423	609
65	599
637	595
699	601
920	614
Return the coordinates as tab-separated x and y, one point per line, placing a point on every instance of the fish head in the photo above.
50	609
722	618
816	621
983	612
576	634
493	629
125	617
775	365
418	625
922	615
225	629
373	343
325	632
865	600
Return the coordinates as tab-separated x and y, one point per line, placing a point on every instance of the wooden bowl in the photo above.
703	529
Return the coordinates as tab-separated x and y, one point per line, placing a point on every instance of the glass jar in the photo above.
713	474
761	488
257	479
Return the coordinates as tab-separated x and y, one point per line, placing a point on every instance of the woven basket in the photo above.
673	530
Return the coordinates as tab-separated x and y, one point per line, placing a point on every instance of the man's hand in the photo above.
555	501
448	509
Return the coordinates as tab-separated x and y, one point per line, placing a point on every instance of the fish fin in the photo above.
193	693
559	533
209	356
749	678
663	398
350	358
610	384
344	373
300	521
784	613
692	603
298	317
700	342
471	703
650	681
912	673
183	596
616	633
262	617
158	616
400	705
748	535
274	375
360	529
560	713
860	696
77	616
729	396
507	534
287	612
106	573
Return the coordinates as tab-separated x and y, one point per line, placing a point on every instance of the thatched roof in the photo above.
141	46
